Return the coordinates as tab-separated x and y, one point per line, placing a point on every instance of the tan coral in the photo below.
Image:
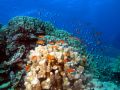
46	84
51	68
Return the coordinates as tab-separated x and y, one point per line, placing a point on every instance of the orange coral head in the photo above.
65	60
50	57
70	70
27	68
57	42
55	47
51	42
40	42
60	41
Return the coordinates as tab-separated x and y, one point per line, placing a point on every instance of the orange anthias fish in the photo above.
65	60
60	41
55	47
51	42
70	70
27	68
41	36
50	57
40	42
57	42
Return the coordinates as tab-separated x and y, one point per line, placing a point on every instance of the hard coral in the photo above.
53	69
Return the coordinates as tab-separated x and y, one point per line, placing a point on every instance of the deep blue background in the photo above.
104	15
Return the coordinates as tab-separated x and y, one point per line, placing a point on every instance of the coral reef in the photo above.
16	39
34	55
20	36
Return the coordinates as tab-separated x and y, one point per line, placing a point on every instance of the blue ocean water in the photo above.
104	15
93	20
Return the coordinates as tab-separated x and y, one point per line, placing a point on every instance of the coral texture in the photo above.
54	67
